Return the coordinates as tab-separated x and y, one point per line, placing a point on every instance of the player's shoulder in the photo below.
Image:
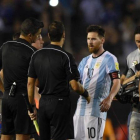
87	57
110	55
132	54
67	53
37	52
7	43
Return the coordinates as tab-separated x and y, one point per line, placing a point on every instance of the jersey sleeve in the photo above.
112	65
31	70
71	68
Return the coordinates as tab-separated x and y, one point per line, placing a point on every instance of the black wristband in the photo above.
85	94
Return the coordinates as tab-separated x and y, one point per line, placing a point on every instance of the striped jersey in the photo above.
94	76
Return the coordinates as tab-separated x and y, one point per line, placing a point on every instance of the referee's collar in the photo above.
23	41
26	43
54	46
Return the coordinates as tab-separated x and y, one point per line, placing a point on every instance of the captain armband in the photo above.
114	75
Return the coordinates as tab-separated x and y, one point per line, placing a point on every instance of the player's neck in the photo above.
25	38
57	43
98	53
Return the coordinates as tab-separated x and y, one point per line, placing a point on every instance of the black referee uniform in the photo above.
54	68
14	60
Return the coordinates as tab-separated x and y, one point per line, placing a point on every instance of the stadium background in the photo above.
118	17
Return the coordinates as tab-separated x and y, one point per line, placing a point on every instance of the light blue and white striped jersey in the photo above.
94	75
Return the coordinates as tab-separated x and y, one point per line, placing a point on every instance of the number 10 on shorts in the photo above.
91	132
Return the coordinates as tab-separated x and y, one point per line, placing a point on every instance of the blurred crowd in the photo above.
118	17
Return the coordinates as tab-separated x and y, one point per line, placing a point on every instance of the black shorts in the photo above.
54	114
73	98
15	119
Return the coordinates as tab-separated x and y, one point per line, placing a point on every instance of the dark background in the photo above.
118	17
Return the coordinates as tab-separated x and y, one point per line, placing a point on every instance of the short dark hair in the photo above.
56	30
97	29
137	30
16	35
31	26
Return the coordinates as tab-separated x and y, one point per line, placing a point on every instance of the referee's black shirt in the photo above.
54	68
14	60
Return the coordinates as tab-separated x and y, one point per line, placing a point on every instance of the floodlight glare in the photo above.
53	3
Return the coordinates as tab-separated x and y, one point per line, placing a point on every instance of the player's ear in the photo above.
103	40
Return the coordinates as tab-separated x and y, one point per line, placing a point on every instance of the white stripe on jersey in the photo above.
92	84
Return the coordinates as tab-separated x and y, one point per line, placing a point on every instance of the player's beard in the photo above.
92	49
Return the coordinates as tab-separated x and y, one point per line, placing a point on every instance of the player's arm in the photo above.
37	96
114	73
114	89
106	103
129	79
30	86
77	87
73	76
32	82
122	79
130	76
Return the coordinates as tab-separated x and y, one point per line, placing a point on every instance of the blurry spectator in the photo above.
92	10
127	27
110	14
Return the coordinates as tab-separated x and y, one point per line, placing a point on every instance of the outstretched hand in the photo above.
88	99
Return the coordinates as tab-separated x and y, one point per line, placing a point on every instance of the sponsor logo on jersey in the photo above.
135	62
117	66
97	65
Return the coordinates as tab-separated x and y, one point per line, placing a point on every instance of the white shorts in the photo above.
88	128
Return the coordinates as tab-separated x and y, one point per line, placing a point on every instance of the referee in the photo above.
14	60
55	69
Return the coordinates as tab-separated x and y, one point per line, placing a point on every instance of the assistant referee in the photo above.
55	69
14	60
